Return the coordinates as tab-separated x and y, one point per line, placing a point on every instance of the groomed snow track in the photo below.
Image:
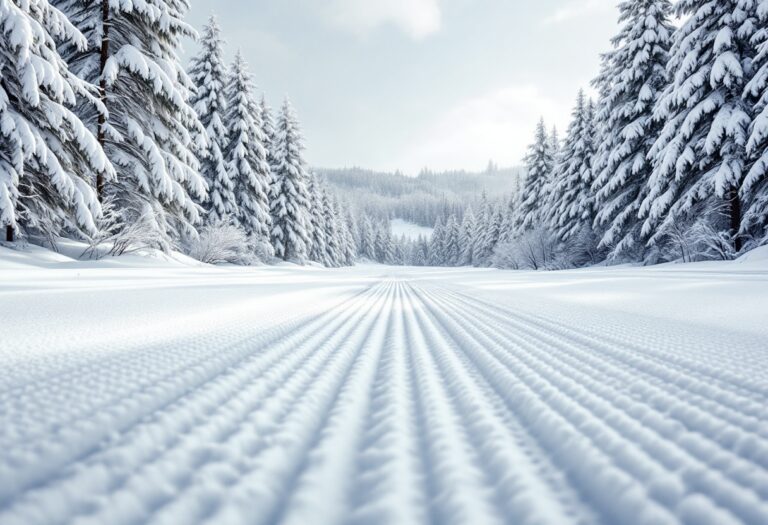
409	402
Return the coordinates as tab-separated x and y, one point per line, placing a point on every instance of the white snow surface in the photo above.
153	391
409	230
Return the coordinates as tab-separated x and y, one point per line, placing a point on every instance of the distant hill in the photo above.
419	199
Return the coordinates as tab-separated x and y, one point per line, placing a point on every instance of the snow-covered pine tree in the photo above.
437	243
383	243
451	246
131	54
555	143
245	154
210	102
316	227
508	230
466	240
632	77
367	239
754	191
571	202
539	163
491	235
46	152
333	241
289	198
268	129
700	156
349	227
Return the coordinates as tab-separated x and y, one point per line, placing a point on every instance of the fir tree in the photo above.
481	227
316	225
754	191
571	204
466	239
289	198
367	239
632	78
131	54
209	75
539	163
436	244
246	155
268	131
333	241
451	247
700	157
491	236
46	152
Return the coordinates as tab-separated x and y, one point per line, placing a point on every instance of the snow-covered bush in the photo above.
143	229
699	240
537	249
219	243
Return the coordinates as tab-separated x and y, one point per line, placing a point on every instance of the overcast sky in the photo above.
404	84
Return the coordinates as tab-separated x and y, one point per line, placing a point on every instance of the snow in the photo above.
410	230
140	390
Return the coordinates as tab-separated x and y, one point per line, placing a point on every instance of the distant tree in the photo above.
209	75
539	164
451	246
289	197
466	242
246	155
571	203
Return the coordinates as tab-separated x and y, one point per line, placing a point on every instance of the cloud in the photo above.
576	9
497	126
418	18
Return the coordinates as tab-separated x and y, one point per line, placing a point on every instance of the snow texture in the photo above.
161	393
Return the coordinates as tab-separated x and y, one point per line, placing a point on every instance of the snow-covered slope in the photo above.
182	394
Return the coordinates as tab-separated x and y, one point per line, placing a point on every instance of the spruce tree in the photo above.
268	131
316	227
436	244
754	191
289	198
209	75
466	242
632	78
491	236
700	157
539	163
451	246
131	54
367	239
333	241
481	227
246	155
571	203
46	152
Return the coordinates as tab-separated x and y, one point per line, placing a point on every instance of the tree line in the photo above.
106	138
669	163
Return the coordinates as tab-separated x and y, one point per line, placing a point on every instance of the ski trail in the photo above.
529	488
260	496
638	452
409	402
164	429
460	488
391	471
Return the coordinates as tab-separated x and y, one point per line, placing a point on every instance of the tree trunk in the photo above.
101	133
735	218
9	233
